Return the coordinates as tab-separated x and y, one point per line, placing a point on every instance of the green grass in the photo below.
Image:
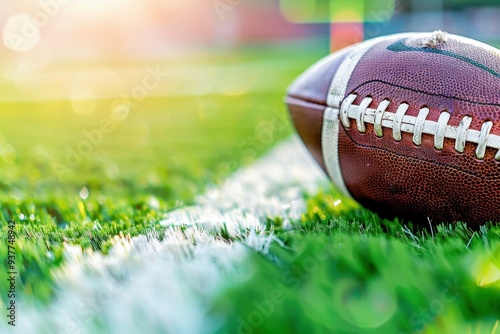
347	271
341	269
166	151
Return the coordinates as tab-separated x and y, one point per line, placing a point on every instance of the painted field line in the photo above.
272	187
149	286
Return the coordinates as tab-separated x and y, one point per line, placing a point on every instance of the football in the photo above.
407	125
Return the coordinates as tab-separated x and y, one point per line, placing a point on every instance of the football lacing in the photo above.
400	122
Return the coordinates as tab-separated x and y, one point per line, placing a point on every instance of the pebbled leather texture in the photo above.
399	178
313	85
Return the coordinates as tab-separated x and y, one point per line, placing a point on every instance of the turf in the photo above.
348	271
337	269
171	146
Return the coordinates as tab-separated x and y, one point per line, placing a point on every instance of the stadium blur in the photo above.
39	36
112	28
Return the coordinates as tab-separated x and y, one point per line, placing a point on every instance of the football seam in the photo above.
400	122
416	159
425	92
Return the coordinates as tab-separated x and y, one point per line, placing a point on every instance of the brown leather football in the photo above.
408	125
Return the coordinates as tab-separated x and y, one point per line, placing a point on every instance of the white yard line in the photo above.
272	187
150	286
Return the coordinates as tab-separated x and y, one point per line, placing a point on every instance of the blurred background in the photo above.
44	33
164	97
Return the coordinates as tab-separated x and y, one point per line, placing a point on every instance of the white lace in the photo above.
399	122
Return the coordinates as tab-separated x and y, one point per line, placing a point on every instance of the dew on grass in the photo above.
84	193
154	203
97	226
